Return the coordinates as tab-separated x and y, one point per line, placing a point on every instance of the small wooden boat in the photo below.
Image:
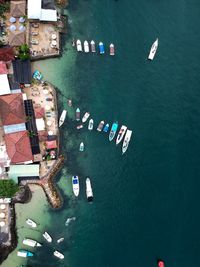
100	126
112	50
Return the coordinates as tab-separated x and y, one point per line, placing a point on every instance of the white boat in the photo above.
89	192
58	255
81	147
31	223
79	46
90	125
112	50
60	240
127	139
62	117
86	47
93	48
153	50
31	243
121	134
85	117
47	237
75	185
70	220
100	126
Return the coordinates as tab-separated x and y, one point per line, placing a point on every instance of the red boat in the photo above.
161	263
112	50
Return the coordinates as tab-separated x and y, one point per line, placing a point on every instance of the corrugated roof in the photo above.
22	71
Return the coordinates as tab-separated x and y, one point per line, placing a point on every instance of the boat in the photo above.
31	243
31	223
93	47
69	220
78	114
106	128
24	253
121	134
47	237
81	147
153	50
101	48
37	75
73	42
62	117
86	47
60	240
58	255
126	141
112	50
79	46
85	117
90	125
75	185
113	131
78	127
161	263
89	192
69	102
100	126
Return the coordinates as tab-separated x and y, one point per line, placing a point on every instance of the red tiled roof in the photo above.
18	147
39	113
12	109
3	68
51	144
7	54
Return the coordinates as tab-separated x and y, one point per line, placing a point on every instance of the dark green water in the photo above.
146	202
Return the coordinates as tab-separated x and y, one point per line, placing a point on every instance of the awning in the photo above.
5	87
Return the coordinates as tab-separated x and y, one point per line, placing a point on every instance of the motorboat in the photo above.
93	47
37	75
31	243
78	114
86	47
90	125
81	147
47	237
113	131
101	48
100	126
58	255
112	50
70	220
62	117
85	117
153	50
69	102
89	192
24	253
121	134
60	240
106	128
126	141
75	185
79	46
161	263
78	127
31	223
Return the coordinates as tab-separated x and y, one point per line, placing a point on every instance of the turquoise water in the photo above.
146	203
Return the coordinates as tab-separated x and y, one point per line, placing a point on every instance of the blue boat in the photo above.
113	130
106	128
24	253
101	48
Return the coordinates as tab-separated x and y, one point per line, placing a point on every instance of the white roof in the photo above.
48	15
40	124
4	85
34	9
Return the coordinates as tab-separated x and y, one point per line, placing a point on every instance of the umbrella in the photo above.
47	107
49	123
45	91
22	28
54	43
2	206
12	27
12	19
50	132
2	224
53	36
2	215
21	20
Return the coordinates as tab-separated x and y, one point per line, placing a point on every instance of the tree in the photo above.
8	188
24	52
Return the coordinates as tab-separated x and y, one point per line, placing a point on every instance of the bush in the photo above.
8	188
24	52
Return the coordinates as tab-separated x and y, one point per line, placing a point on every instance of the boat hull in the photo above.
113	131
100	126
126	141
89	192
75	185
153	50
121	134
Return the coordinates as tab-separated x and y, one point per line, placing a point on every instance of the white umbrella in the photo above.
22	28
53	36
21	20
50	132
2	206
2	224
12	19
12	27
49	123
47	107
45	91
54	43
2	215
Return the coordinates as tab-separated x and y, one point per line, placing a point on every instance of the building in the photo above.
24	172
22	71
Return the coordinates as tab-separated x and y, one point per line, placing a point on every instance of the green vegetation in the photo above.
4	7
24	52
8	188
